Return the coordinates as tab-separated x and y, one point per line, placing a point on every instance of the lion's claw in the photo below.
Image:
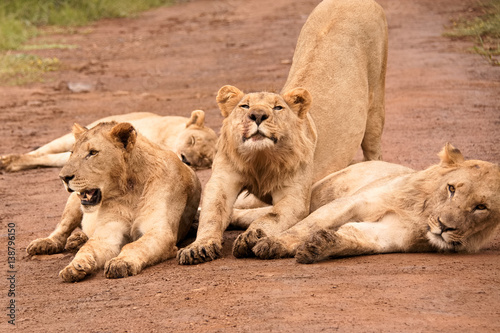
76	241
314	249
119	267
78	269
199	252
242	247
44	246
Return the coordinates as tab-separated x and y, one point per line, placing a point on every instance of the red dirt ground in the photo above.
172	61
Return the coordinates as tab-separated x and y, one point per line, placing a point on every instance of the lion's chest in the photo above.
89	223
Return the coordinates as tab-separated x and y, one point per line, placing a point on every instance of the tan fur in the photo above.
453	206
148	199
189	138
266	147
340	61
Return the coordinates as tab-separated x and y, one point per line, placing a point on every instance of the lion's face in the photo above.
262	121
195	145
96	168
467	205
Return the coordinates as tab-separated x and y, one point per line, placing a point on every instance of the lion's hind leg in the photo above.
372	140
60	145
19	162
53	154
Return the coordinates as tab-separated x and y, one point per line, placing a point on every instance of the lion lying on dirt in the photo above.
334	96
125	190
189	138
378	207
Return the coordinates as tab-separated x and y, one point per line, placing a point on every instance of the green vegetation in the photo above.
23	68
20	20
482	28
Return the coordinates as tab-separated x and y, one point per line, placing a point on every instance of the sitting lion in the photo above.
132	199
189	138
378	207
275	146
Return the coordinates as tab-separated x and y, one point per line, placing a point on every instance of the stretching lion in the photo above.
189	138
275	146
133	200
378	207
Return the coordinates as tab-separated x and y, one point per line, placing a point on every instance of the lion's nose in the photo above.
444	227
66	179
258	116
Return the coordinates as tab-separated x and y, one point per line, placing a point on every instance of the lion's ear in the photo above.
299	100
78	130
227	99
197	118
450	156
125	135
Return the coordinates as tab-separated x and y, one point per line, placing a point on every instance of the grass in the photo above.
16	69
483	28
20	20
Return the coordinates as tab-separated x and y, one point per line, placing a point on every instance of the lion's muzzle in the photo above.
66	179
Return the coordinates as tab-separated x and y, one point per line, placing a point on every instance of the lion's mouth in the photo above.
258	136
90	197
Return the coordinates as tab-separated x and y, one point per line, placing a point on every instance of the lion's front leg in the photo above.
161	230
353	239
329	216
76	241
219	196
104	244
291	205
153	247
71	219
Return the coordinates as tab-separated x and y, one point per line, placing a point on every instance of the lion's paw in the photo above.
199	252
315	249
79	268
242	247
10	162
76	241
271	248
44	246
120	267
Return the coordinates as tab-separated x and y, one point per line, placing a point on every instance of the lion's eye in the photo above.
193	141
480	207
92	152
278	108
245	106
451	188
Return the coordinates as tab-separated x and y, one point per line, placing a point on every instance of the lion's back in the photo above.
340	59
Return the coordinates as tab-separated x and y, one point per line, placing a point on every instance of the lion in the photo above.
133	200
189	138
275	146
378	207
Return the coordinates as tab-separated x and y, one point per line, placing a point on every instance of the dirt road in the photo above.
172	61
